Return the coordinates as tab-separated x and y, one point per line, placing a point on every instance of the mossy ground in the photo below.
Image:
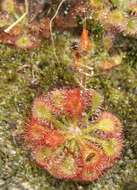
26	74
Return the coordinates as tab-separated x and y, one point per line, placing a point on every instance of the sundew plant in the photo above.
68	78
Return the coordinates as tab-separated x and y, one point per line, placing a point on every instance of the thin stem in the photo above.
52	37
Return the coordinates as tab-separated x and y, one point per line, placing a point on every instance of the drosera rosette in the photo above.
26	41
116	20
116	16
65	138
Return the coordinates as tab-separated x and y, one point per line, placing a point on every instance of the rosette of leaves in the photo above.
71	136
116	15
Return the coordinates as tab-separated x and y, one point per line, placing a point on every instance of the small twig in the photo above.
20	18
52	37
